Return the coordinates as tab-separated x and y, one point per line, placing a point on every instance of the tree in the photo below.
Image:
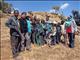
56	8
75	13
5	7
1	4
76	16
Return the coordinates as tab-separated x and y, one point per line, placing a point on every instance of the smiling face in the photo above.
23	16
16	13
47	18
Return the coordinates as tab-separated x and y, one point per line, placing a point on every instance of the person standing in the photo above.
70	28
63	33
53	35
29	26
26	43
48	25
43	32
58	33
33	34
39	31
13	24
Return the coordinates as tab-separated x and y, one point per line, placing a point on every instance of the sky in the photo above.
45	6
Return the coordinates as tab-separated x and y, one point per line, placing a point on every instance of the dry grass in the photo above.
58	52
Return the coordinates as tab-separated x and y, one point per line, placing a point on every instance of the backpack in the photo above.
68	23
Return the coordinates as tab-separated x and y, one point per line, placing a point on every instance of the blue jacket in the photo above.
29	25
48	27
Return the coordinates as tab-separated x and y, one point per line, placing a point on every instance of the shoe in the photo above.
28	49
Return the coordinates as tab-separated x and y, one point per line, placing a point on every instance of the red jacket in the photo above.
68	30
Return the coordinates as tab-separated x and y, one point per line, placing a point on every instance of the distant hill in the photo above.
41	16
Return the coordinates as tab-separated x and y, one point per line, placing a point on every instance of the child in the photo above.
43	33
58	33
53	35
26	43
64	35
48	26
39	31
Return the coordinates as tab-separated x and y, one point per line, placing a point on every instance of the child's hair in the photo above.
62	22
59	23
23	13
42	21
55	24
27	17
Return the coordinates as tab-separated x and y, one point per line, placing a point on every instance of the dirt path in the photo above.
58	52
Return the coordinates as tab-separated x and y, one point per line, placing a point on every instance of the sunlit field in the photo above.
57	52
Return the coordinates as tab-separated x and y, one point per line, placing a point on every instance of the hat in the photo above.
16	12
23	13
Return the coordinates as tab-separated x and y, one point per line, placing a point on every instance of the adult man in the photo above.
70	28
13	24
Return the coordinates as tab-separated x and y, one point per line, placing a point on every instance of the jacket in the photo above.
29	26
13	24
23	25
73	26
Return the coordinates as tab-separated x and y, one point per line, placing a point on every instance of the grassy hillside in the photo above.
58	52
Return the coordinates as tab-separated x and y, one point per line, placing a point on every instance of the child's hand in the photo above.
76	33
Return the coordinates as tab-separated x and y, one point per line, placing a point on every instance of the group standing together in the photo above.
28	30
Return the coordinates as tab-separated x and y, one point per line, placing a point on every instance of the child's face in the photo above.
16	14
23	16
47	18
54	24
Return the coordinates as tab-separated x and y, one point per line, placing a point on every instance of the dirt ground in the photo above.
58	52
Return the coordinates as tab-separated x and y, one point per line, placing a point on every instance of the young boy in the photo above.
26	43
58	33
39	30
53	35
63	33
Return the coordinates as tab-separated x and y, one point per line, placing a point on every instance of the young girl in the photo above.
58	33
53	35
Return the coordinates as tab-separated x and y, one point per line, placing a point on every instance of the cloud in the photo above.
65	5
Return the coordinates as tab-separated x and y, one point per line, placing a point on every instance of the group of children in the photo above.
29	29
